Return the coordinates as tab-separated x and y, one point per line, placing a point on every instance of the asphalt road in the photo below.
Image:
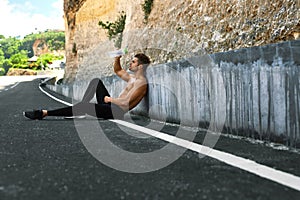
52	159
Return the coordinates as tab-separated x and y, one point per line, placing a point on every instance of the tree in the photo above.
19	60
45	59
6	65
2	71
2	60
10	46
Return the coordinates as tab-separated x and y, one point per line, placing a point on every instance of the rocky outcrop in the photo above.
175	28
20	72
71	8
40	47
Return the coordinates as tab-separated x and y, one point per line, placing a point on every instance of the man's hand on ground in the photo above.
107	99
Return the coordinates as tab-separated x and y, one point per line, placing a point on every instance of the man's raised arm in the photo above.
119	70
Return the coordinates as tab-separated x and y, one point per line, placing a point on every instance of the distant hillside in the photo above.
45	42
15	52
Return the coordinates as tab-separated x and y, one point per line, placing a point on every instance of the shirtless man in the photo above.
107	107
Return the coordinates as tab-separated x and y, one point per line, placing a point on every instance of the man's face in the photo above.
134	65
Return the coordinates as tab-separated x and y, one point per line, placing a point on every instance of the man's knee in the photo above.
96	81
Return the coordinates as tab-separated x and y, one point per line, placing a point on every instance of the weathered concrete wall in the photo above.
252	92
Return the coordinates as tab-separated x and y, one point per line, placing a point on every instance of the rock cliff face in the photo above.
175	28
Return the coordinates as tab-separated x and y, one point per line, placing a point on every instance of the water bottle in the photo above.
119	52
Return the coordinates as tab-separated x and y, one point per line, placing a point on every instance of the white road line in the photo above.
13	81
269	173
15	85
12	86
53	97
239	162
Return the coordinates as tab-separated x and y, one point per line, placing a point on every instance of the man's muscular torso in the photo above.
134	91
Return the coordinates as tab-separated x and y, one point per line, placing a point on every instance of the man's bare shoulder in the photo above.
132	78
140	81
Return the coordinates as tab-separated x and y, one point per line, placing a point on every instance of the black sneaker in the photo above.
35	114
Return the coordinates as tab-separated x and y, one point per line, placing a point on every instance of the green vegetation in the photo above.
115	29
2	70
54	40
19	60
14	53
44	59
147	7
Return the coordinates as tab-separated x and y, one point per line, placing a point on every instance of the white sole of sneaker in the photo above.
76	117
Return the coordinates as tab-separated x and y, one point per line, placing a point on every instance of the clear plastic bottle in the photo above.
119	52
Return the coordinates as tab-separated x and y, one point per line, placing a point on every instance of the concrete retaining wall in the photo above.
252	92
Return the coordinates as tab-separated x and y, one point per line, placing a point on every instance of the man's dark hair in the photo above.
143	59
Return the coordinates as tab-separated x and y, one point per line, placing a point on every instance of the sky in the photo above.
19	18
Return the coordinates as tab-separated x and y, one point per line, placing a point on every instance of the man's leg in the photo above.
100	110
104	111
97	87
97	110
